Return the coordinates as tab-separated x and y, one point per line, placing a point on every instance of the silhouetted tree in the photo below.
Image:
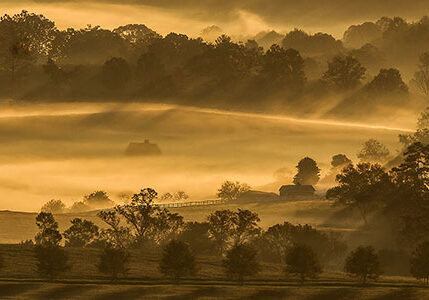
166	197
24	37
231	191
302	261
81	234
344	72
91	45
49	234
308	172
421	135
226	227
241	261
180	196
387	82
408	202
312	45
148	223
245	226
363	187
280	238
79	206
114	261
196	234
358	35
221	227
373	152
340	160
177	260
116	236
420	262
363	263
54	206
98	199
115	73
282	69
138	35
51	260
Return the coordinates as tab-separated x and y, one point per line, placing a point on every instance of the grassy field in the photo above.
37	290
19	226
19	280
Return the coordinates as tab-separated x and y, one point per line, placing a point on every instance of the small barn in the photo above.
296	191
145	148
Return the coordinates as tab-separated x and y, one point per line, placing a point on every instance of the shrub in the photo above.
363	263
51	260
177	260
302	261
420	262
113	261
241	260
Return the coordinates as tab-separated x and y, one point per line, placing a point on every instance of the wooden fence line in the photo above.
188	204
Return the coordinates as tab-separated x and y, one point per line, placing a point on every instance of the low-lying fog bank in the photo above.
64	151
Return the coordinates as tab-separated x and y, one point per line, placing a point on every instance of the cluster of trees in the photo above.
133	62
234	236
92	201
398	195
101	200
308	172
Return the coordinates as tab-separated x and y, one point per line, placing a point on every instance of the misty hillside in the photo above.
66	151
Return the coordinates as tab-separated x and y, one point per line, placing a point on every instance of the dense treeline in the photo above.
134	63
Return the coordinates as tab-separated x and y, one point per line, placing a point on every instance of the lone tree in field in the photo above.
51	260
49	234
81	233
230	191
177	260
302	261
363	263
373	152
420	262
308	172
114	261
241	261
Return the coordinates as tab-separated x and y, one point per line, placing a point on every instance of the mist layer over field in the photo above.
64	151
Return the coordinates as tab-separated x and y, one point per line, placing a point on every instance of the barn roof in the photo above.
298	188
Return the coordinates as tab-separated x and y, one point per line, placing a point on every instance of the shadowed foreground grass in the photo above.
119	291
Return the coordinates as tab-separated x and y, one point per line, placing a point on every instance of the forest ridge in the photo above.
376	66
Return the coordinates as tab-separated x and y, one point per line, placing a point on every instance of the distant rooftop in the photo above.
145	148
